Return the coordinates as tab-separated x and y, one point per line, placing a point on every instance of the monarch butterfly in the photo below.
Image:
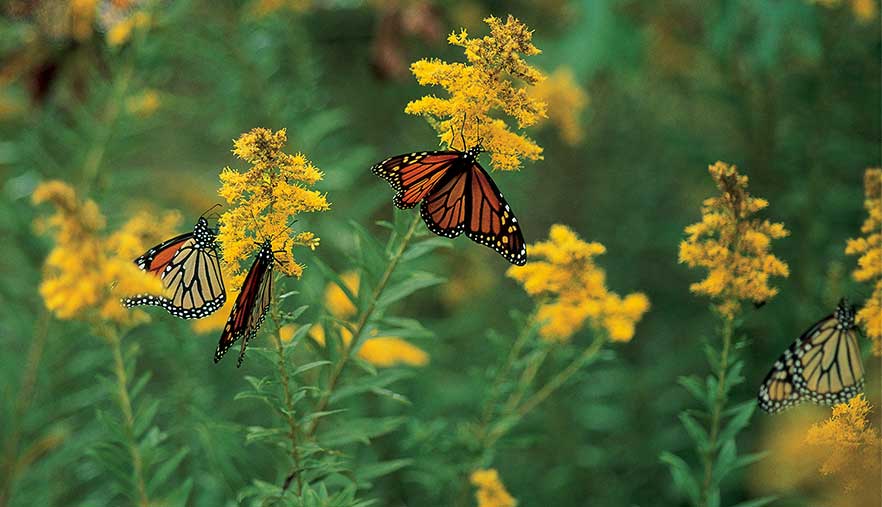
823	365
457	196
189	268
251	305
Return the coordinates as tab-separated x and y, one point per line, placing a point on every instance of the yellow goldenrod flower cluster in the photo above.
496	77
264	201
143	104
382	351
87	272
732	246
565	100
576	286
491	492
869	247
850	448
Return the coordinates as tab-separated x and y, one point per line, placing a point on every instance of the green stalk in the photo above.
709	455
293	428
111	335
22	404
358	331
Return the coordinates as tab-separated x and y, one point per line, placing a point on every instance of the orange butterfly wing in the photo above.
414	175
251	305
467	200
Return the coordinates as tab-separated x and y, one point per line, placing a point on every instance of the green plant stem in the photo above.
513	356
358	330
518	411
293	428
125	404
22	404
719	405
107	123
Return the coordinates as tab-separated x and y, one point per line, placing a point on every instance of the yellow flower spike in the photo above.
733	246
264	200
495	78
76	289
564	270
491	492
869	264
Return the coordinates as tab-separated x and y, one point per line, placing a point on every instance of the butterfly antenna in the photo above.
462	132
209	209
480	137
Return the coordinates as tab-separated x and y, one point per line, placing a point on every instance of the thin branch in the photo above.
358	331
113	339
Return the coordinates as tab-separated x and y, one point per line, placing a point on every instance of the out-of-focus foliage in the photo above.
135	105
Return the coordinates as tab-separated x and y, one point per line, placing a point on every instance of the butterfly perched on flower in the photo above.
251	305
189	268
823	365
456	195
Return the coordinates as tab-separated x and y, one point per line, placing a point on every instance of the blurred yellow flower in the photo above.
143	104
869	247
382	351
82	15
491	492
264	199
864	10
850	448
86	273
791	465
565	101
496	77
121	31
732	246
577	288
336	301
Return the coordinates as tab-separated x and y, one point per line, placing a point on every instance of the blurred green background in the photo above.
789	91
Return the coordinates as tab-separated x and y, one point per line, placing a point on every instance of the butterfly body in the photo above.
189	268
823	365
456	195
251	306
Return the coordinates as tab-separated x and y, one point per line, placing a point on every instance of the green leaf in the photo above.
749	459
308	366
259	433
699	435
725	461
144	416
425	246
693	385
374	470
413	283
740	417
682	475
164	471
